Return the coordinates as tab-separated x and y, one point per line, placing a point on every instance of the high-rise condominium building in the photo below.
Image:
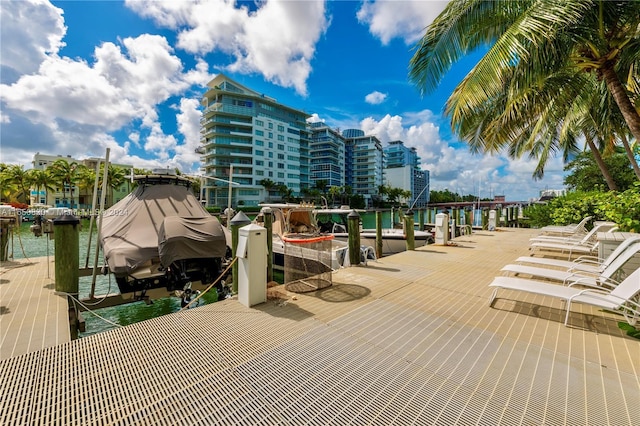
364	161
250	139
327	155
403	171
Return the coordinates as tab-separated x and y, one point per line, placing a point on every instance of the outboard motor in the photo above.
36	228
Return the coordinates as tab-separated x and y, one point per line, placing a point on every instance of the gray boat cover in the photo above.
190	238
131	228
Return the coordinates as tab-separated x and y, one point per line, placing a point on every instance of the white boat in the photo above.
394	240
296	233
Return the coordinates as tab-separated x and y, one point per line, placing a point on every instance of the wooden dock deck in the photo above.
32	316
408	339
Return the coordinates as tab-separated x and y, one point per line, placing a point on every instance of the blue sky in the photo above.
80	76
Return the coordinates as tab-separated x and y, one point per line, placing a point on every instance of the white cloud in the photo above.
456	168
315	118
276	40
39	27
66	106
375	98
188	120
404	19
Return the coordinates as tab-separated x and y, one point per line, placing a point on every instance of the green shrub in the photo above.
622	208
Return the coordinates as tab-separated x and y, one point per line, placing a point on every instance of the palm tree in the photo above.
335	191
40	179
15	175
65	173
7	187
532	39
116	176
268	185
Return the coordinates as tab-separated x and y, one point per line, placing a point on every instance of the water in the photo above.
25	245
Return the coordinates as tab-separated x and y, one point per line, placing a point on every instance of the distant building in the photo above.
402	170
547	194
256	136
82	197
327	151
364	161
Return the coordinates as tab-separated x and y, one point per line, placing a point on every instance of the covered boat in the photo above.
161	236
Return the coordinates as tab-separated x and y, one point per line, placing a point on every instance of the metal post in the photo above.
378	234
268	224
91	213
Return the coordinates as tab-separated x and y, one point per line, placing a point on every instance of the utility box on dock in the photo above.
442	229
252	269
493	220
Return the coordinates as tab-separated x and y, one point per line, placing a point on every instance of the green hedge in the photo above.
622	208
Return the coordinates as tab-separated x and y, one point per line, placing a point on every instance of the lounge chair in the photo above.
584	263
587	245
622	298
577	238
567	229
570	277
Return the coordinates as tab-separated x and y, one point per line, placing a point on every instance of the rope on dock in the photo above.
76	300
211	286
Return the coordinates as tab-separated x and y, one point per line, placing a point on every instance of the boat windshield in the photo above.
326	221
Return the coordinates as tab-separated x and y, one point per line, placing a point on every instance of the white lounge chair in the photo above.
605	277
583	263
567	229
588	245
577	238
624	297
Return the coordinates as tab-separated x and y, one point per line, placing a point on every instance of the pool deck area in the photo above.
407	339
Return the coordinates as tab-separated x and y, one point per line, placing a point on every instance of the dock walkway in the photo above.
32	316
408	339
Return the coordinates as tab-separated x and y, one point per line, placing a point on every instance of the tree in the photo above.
40	179
16	176
584	174
116	176
7	187
65	174
533	39
335	191
268	185
285	192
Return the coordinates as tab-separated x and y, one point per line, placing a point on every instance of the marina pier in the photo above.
407	339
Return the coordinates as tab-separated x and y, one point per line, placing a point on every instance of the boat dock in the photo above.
32	316
407	339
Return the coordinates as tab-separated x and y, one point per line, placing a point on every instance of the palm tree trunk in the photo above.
632	157
629	113
603	167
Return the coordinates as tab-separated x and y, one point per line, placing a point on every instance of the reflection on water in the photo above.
25	245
